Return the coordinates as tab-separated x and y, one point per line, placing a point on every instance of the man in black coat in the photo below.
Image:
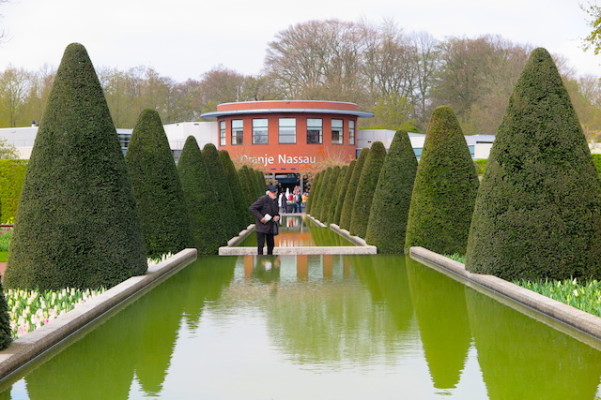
266	210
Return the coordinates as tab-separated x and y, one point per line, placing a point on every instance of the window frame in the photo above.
319	135
234	133
260	128
222	133
286	135
351	132
339	129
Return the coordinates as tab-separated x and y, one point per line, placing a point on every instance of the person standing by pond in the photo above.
266	211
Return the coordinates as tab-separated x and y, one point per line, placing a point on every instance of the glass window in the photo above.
260	133
351	132
237	131
287	131
314	131
222	133
337	135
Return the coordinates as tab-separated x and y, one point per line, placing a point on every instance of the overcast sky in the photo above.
186	38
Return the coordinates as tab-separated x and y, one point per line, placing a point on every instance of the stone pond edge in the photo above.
44	339
565	314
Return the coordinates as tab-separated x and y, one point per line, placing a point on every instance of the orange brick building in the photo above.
287	137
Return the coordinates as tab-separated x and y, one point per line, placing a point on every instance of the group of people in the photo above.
267	213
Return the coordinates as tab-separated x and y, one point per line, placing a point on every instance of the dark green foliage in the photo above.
201	200
320	194
365	190
351	190
343	189
538	213
159	195
390	206
445	188
314	190
12	175
261	185
248	191
77	224
328	194
333	201
5	336
228	226
597	161
238	198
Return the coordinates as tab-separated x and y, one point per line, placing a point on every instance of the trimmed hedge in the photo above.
328	194
159	196
365	190
314	190
445	188
390	205
335	195
351	190
76	224
228	226
201	199
343	189
538	213
12	176
323	189
238	197
5	329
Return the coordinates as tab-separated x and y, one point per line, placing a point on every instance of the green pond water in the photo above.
300	231
316	327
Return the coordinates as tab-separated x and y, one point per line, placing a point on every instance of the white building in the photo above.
479	145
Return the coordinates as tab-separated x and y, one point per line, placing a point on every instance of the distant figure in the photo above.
298	201
266	211
282	202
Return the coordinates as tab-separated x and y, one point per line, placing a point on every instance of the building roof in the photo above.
287	106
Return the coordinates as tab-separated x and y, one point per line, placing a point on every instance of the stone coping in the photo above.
299	250
48	337
572	321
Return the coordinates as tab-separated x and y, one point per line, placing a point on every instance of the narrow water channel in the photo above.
316	327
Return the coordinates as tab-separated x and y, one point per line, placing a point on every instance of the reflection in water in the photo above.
522	358
299	327
443	323
298	231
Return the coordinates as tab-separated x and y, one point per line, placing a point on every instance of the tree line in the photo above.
401	77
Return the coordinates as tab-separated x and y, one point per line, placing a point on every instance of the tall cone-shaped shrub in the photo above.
249	190
365	190
334	196
445	188
5	329
342	193
327	196
76	224
236	190
351	190
538	212
228	226
390	205
201	200
323	188
313	194
159	196
261	186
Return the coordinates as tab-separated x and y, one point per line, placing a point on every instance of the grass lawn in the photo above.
3	256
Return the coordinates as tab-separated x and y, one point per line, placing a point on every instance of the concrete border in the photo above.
524	300
241	236
36	344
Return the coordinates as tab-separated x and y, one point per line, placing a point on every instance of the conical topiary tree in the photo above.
390	206
343	189
228	226
76	224
314	190
323	188
366	188
327	196
334	196
538	212
248	189
201	201
238	197
159	196
351	190
445	188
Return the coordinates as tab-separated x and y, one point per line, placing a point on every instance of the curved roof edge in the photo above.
217	114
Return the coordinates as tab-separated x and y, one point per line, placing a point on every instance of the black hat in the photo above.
272	188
